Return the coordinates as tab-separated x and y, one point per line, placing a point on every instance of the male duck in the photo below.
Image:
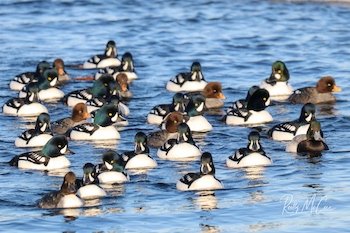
159	112
288	130
204	180
195	110
188	81
27	106
38	136
51	157
311	142
65	197
88	186
109	58
250	111
19	81
277	84
111	171
139	158
252	155
101	129
182	148
79	115
322	93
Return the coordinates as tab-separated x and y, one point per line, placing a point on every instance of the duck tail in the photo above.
14	161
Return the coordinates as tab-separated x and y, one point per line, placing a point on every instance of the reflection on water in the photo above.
254	174
58	172
206	200
209	229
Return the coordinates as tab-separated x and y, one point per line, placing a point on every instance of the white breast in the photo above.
179	152
37	141
70	201
207	182
141	161
256	118
91	191
50	94
108	62
102	133
279	91
27	110
54	163
187	86
199	124
112	177
253	159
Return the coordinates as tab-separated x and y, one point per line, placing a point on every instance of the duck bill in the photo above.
336	89
86	115
221	96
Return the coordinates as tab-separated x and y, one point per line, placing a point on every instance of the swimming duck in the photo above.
311	142
188	81
122	81
277	84
27	106
322	93
51	157
46	85
181	148
214	98
159	112
288	130
111	171
168	131
38	136
79	115
252	155
204	180
100	87
65	197
251	110
88	186
58	64
19	81
101	129
195	110
109	58
139	158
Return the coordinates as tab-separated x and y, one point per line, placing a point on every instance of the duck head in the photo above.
213	90
80	112
184	133
56	146
279	72
43	123
196	71
326	85
254	141
107	115
127	63
111	49
179	102
69	184
207	164
196	106
307	113
88	174
258	100
140	142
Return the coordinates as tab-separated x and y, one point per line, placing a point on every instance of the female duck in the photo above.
195	110
277	84
65	197
159	112
58	64
38	136
19	81
88	186
139	158
101	129
204	180
51	157
111	171
214	97
311	142
188	81
252	155
322	93
109	58
79	115
250	111
182	148
288	130
27	106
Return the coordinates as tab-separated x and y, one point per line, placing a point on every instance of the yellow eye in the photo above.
196	105
49	78
110	114
264	99
329	84
59	146
175	122
279	71
106	84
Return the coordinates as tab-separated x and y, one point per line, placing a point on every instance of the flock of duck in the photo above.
104	103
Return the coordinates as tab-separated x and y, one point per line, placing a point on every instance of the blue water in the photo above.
236	43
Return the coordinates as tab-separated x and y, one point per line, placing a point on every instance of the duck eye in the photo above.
59	146
214	91
80	111
329	84
49	78
110	114
196	104
175	121
264	99
106	84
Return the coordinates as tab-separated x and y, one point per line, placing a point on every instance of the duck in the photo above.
58	64
50	157
38	136
252	155
214	97
159	112
65	197
278	83
122	81
204	180
28	106
251	110
188	81
181	148
20	80
139	158
47	86
322	93
101	129
79	115
168	130
126	67
88	186
194	111
288	130
109	58
100	87
111	171
311	143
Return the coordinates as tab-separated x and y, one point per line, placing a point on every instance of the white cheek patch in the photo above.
308	119
193	76
91	178
200	107
177	107
53	82
43	127
114	119
268	102
63	150
277	76
125	67
108	166
31	97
